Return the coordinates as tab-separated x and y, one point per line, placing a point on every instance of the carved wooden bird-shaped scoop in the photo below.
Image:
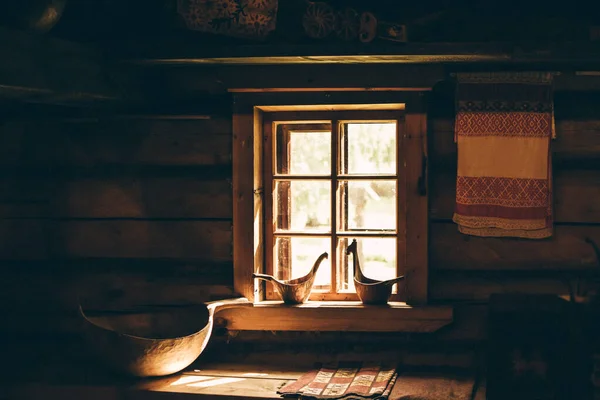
370	291
295	291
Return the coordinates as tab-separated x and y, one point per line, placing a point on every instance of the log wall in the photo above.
142	208
137	208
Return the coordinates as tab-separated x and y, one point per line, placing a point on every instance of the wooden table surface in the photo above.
234	382
73	376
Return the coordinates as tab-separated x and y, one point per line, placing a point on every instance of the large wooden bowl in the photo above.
151	341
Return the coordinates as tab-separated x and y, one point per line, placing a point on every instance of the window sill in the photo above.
335	316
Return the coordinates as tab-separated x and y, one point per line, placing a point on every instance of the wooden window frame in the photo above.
335	118
248	214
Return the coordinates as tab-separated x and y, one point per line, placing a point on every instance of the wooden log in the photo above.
448	288
567	250
146	198
218	272
188	239
61	281
145	142
43	239
126	197
576	194
40	300
119	292
187	81
574	138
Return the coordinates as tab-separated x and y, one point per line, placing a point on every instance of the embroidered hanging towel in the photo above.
503	129
344	380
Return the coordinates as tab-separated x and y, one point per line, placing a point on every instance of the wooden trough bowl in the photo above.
151	341
295	291
370	291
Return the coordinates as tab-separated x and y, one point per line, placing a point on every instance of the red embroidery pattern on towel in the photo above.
507	192
504	124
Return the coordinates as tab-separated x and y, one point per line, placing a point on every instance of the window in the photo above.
310	177
329	178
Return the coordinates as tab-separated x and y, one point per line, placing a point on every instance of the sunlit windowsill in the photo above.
332	304
336	316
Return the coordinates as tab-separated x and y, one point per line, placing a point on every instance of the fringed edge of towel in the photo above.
481	222
537	229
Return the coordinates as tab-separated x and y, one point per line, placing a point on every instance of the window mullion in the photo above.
334	200
401	202
345	202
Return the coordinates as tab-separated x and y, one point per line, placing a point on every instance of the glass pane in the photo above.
368	148
367	205
295	256
303	149
377	257
303	205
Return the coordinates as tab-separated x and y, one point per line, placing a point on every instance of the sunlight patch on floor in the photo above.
215	382
184	380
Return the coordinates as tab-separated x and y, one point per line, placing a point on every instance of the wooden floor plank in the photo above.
253	370
432	386
230	386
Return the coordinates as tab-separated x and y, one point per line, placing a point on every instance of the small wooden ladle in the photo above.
295	291
370	291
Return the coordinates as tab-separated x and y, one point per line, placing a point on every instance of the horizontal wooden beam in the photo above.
344	316
178	53
166	52
193	81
